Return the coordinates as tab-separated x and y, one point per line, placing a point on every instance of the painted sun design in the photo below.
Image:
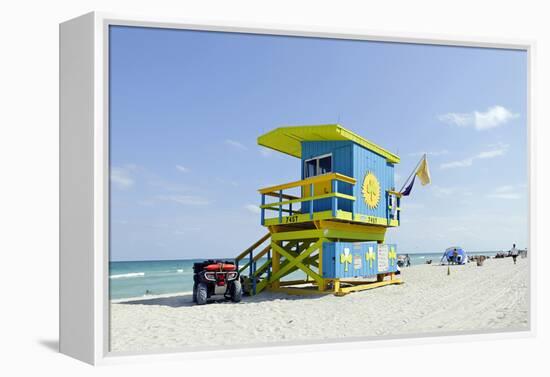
371	190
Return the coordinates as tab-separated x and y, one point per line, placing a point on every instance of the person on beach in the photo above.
454	259
514	253
407	260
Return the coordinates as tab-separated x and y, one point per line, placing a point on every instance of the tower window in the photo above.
318	166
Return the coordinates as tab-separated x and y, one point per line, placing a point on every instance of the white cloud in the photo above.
491	154
252	208
506	192
235	144
457	119
505	188
456	191
495	116
496	151
186	200
183	169
121	178
457	164
508	195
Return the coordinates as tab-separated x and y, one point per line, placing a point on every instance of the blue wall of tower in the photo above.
355	161
365	161
342	162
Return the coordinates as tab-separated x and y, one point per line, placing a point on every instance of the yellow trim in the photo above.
365	234
289	139
296	261
307	199
348	227
285	283
362	287
336	285
275	265
396	193
308	181
326	215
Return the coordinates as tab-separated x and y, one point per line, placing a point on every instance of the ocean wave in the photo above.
129	275
180	270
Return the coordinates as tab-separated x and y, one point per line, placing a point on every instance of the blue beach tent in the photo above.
450	257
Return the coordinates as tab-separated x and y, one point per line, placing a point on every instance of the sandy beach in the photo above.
472	299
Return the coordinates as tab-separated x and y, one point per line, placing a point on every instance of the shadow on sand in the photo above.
187	300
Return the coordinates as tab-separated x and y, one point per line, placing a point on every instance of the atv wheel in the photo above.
236	291
195	292
202	294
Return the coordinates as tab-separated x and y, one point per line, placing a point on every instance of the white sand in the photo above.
489	298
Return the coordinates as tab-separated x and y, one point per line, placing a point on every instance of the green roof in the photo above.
289	139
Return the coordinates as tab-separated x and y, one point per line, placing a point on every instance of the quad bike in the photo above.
214	277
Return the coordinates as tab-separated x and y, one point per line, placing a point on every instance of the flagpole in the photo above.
413	172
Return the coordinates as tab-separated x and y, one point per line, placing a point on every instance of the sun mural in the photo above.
371	190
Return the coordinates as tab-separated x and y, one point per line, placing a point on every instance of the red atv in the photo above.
214	277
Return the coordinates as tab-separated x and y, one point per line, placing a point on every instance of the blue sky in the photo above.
187	106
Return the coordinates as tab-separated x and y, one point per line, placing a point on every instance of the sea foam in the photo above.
129	275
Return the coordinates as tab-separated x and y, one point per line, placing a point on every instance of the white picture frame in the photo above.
84	183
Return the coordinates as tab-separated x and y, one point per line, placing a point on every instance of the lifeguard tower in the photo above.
330	224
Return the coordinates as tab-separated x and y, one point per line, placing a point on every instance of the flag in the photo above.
423	172
408	189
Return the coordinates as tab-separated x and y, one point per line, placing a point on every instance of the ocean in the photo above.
131	279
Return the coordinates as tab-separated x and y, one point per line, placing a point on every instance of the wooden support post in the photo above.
311	193
275	264
336	284
296	261
250	256
253	276
323	285
263	210
268	268
280	206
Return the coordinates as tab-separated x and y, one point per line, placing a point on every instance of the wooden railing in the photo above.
394	209
255	272
286	201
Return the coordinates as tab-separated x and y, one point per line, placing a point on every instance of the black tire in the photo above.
236	291
202	294
195	292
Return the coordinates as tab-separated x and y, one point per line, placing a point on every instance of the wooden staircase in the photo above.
255	278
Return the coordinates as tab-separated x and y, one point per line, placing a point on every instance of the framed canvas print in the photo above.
225	187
